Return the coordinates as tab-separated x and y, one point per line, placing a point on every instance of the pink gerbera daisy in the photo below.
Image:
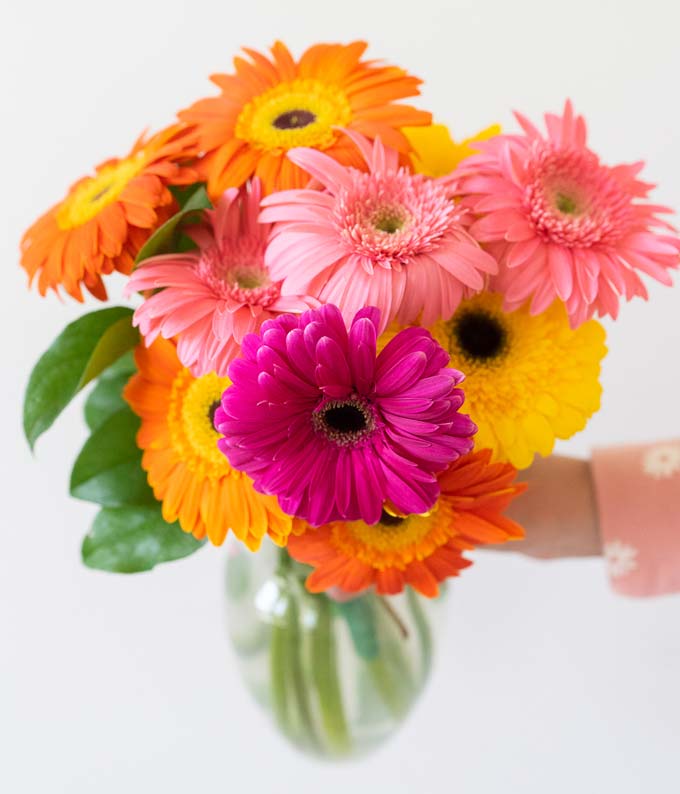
212	297
386	238
314	418
562	224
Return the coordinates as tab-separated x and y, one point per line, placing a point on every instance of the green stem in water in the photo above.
290	698
391	669
398	622
325	675
299	685
277	664
424	634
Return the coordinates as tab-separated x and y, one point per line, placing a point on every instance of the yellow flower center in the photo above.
94	193
300	113
193	402
395	541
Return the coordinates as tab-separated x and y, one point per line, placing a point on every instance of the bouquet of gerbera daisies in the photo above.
349	334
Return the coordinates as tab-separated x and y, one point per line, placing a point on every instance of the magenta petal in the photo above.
403	374
332	367
306	421
363	339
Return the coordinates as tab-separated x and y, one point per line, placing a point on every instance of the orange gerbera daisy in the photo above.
106	218
187	472
416	550
271	105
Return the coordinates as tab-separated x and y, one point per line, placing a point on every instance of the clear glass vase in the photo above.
338	678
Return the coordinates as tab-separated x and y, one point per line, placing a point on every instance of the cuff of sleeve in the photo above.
638	496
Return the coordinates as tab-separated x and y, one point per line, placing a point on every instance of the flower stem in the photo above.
391	669
277	665
290	696
424	634
325	675
401	626
297	676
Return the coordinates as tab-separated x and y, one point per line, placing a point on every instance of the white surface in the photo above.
546	682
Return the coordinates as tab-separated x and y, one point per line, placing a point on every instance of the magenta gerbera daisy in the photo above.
334	432
561	224
212	297
387	238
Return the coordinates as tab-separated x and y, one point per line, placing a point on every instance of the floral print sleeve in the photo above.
638	497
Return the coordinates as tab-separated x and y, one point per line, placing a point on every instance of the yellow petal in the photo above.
434	151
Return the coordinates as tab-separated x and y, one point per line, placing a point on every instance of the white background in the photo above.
546	682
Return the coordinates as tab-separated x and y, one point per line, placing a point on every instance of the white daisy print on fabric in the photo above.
662	461
620	558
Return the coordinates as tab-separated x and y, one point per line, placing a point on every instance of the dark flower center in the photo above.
211	412
480	335
344	421
388	520
294	120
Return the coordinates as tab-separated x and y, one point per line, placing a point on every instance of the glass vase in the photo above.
338	678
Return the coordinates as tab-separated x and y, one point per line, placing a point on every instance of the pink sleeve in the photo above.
638	497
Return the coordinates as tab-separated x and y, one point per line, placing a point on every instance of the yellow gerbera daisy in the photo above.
435	153
529	379
187	472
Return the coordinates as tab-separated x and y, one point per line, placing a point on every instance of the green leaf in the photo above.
85	348
105	399
167	238
124	366
183	193
108	469
358	614
107	396
118	338
133	539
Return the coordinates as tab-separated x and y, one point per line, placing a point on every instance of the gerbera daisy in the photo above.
562	224
387	238
216	295
528	380
436	154
106	218
187	472
271	105
314	418
416	550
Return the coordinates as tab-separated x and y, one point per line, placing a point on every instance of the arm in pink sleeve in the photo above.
638	498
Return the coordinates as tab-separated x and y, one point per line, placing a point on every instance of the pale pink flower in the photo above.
212	297
561	224
386	238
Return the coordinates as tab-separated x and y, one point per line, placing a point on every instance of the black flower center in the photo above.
294	120
388	520
344	421
480	335
211	412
